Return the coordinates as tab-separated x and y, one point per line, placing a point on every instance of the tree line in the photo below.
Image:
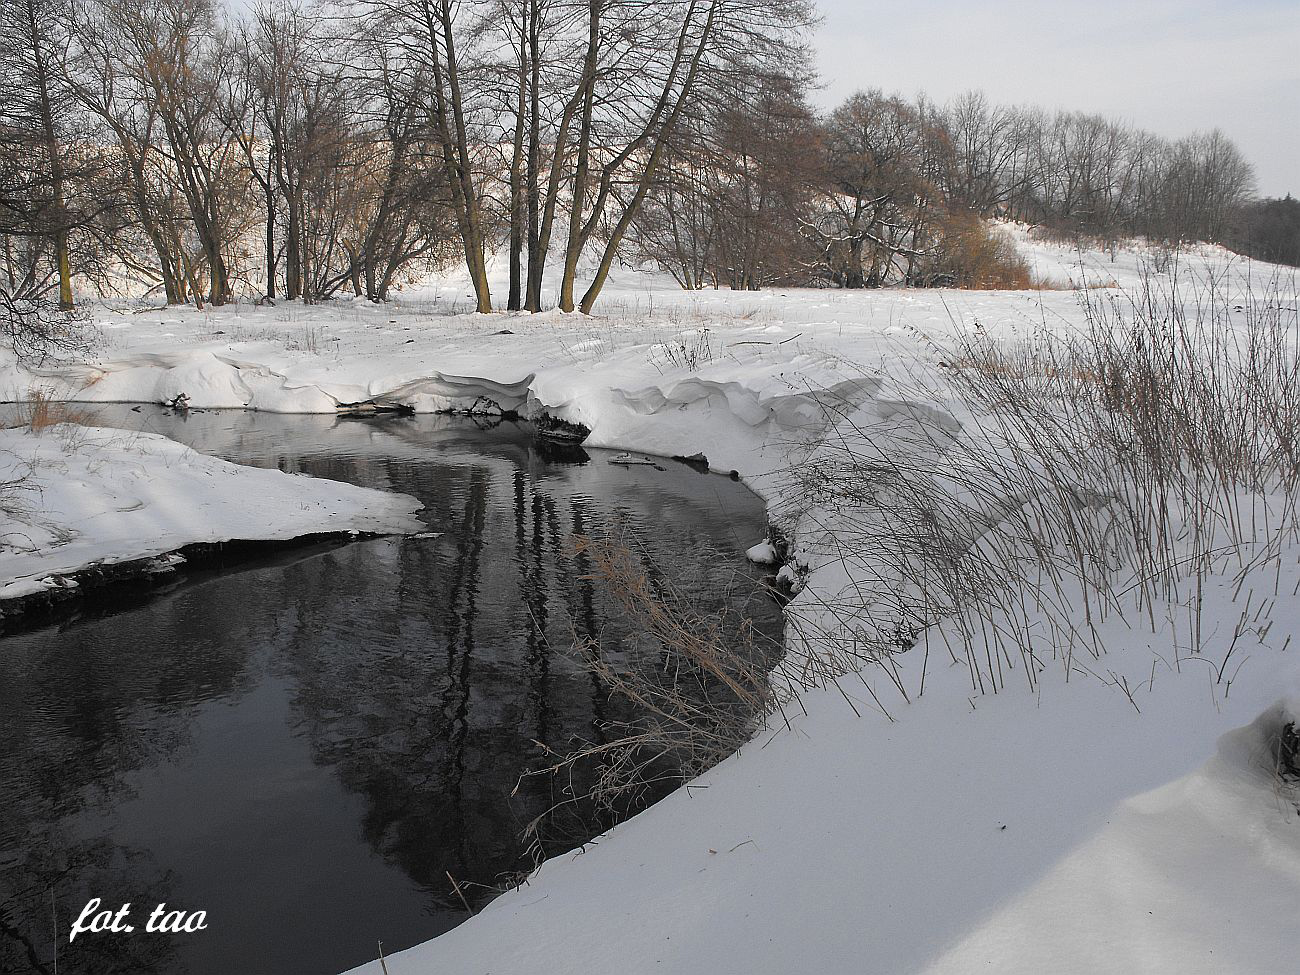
885	190
1269	230
307	149
303	149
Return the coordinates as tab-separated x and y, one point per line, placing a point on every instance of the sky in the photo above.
1171	66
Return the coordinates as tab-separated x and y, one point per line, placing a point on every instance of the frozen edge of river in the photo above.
89	504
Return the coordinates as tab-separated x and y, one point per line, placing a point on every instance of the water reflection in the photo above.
307	749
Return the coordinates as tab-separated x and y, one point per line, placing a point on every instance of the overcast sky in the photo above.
1171	66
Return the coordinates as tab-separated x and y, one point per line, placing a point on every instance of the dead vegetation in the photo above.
1106	475
973	255
696	683
41	411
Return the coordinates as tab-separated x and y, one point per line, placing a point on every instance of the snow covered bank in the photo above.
1196	876
1008	835
1074	816
81	496
755	387
851	840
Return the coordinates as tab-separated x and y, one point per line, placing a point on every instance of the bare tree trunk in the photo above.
268	191
55	159
573	247
517	207
449	116
536	256
661	137
293	273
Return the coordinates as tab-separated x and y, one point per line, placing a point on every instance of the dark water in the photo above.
304	748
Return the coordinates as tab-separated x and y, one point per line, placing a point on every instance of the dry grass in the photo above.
40	411
688	351
1102	476
697	687
1095	284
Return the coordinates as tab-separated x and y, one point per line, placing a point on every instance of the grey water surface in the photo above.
306	746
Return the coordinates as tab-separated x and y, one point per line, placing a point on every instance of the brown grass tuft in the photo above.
40	411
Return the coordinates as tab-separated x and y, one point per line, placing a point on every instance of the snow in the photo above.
1197	875
84	496
852	846
1071	827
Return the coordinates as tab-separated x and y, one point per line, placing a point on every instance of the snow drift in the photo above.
81	496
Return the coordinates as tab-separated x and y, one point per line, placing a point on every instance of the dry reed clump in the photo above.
689	350
1067	235
40	411
696	688
1101	475
1088	284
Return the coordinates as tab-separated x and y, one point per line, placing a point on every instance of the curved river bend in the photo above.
306	746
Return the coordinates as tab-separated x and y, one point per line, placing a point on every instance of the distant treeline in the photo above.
885	190
1269	230
305	149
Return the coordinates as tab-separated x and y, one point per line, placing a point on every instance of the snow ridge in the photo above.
86	497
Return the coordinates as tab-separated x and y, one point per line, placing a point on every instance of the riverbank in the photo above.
86	505
1114	811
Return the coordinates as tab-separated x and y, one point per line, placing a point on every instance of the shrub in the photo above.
972	255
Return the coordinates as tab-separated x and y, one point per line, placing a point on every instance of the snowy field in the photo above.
1115	816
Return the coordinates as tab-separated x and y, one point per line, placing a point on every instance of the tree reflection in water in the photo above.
308	749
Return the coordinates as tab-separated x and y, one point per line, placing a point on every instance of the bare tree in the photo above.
871	225
35	117
677	228
179	62
672	57
439	41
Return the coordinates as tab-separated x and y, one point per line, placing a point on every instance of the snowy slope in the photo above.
80	496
